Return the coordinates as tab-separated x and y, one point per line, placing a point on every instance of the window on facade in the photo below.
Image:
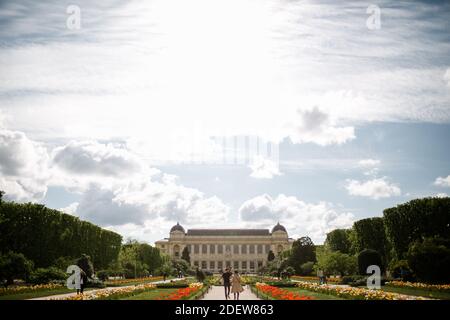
236	265
252	265
219	265
228	264
267	248
177	254
260	264
220	249
260	248
204	266
252	249
196	248
244	249
204	249
236	249
244	265
196	263
212	249
212	265
227	248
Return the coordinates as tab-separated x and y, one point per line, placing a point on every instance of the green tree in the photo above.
338	240
185	255
336	262
307	268
430	260
14	266
85	263
130	260
270	256
149	256
415	220
368	257
303	250
180	265
2	193
43	235
370	234
288	272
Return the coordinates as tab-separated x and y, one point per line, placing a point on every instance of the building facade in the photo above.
245	250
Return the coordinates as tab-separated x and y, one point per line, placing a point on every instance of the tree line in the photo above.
45	235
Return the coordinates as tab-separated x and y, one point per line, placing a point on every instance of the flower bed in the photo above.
279	293
311	278
27	289
117	282
419	285
355	293
193	290
111	293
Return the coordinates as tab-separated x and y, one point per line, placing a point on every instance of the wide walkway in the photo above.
66	295
217	293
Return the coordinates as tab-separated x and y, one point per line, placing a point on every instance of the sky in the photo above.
135	115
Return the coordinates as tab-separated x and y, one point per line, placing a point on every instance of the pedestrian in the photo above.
226	276
236	287
320	275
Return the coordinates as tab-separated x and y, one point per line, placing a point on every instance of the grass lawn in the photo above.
150	294
315	295
418	292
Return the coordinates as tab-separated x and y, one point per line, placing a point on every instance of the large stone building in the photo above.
245	250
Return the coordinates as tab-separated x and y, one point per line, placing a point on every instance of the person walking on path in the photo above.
226	276
236	287
83	281
320	276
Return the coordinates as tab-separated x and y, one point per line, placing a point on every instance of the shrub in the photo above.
430	260
367	258
401	269
95	283
307	268
103	275
350	279
14	266
200	275
47	275
85	263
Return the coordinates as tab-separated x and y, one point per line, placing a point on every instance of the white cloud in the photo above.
263	168
442	181
316	126
93	158
369	162
70	209
371	165
300	218
447	77
136	202
375	188
442	195
116	186
23	167
125	80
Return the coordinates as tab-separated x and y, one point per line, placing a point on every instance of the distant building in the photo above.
245	250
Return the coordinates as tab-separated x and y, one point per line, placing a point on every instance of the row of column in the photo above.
264	249
222	264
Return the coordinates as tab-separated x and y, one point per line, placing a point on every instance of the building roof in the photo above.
177	227
228	232
279	227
